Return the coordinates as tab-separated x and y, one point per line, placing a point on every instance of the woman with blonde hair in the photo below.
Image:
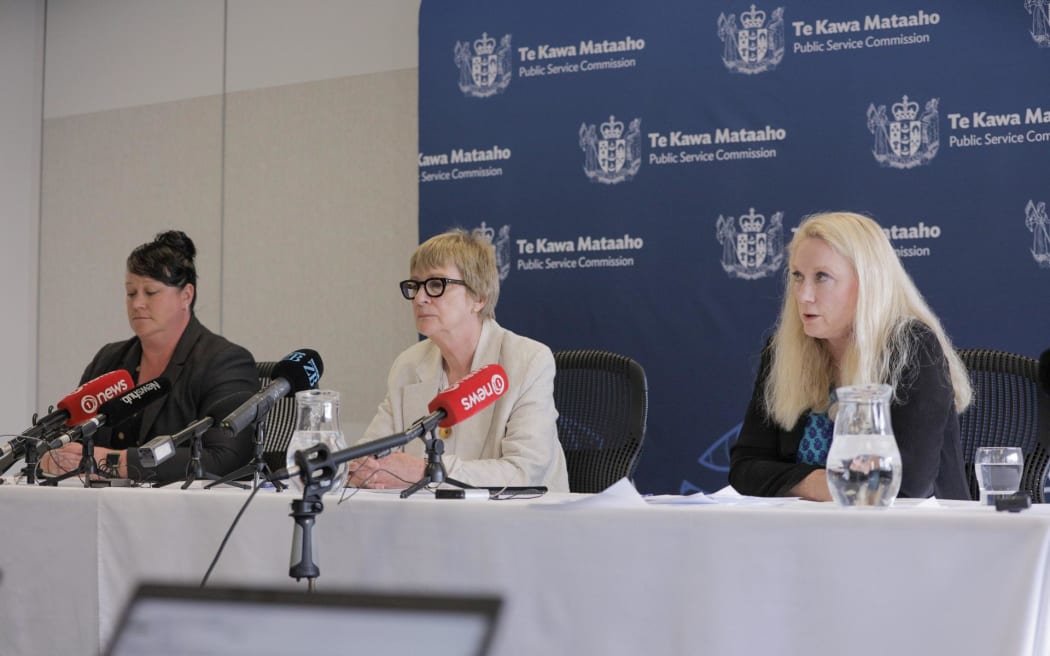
851	315
453	289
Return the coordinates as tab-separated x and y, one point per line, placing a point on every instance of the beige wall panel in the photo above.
321	217
21	69
111	180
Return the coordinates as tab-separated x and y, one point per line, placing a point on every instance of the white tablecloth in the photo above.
796	579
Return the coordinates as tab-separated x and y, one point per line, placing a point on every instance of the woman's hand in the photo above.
813	487
396	470
59	461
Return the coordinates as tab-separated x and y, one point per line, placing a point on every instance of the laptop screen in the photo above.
169	619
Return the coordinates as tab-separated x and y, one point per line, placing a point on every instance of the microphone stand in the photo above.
87	465
317	476
32	461
435	471
195	470
33	435
316	468
305	512
256	466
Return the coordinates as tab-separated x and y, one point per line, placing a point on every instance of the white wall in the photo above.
108	54
21	69
278	42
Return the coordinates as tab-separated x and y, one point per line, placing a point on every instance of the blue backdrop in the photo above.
641	165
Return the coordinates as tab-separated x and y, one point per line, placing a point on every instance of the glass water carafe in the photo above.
317	421
864	464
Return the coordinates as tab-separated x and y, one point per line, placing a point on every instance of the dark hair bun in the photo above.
177	240
167	259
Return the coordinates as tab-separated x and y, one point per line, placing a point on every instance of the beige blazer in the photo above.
512	442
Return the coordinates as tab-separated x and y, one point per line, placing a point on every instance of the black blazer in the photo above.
925	425
210	376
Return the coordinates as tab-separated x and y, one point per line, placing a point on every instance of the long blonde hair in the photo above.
888	304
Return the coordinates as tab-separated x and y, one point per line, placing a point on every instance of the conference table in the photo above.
577	574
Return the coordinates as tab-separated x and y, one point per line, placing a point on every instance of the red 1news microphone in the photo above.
115	411
79	405
477	391
85	401
469	396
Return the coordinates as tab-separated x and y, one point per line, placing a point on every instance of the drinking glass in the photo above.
998	470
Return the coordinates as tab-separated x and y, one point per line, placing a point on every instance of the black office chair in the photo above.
280	422
602	400
1008	409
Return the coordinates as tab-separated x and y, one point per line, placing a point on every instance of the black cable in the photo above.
225	539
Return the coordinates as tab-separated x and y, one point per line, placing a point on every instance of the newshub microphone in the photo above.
115	411
477	391
1044	371
299	370
79	405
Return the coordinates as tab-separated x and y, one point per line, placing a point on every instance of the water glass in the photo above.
998	470
317	421
864	463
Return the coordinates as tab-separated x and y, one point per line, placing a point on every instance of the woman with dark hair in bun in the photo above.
210	376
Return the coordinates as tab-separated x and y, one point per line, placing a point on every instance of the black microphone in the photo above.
16	447
162	447
115	411
299	370
1044	371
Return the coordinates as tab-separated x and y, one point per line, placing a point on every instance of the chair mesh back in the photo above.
1008	409
602	401
280	421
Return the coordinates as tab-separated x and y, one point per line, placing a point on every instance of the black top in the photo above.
925	425
210	376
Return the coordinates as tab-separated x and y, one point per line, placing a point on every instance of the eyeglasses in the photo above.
434	286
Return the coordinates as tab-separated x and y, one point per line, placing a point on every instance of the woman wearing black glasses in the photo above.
454	286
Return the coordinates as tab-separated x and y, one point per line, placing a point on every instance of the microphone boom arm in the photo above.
319	457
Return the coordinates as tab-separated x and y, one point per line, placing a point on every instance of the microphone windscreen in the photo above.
477	391
127	405
302	369
1044	371
83	402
